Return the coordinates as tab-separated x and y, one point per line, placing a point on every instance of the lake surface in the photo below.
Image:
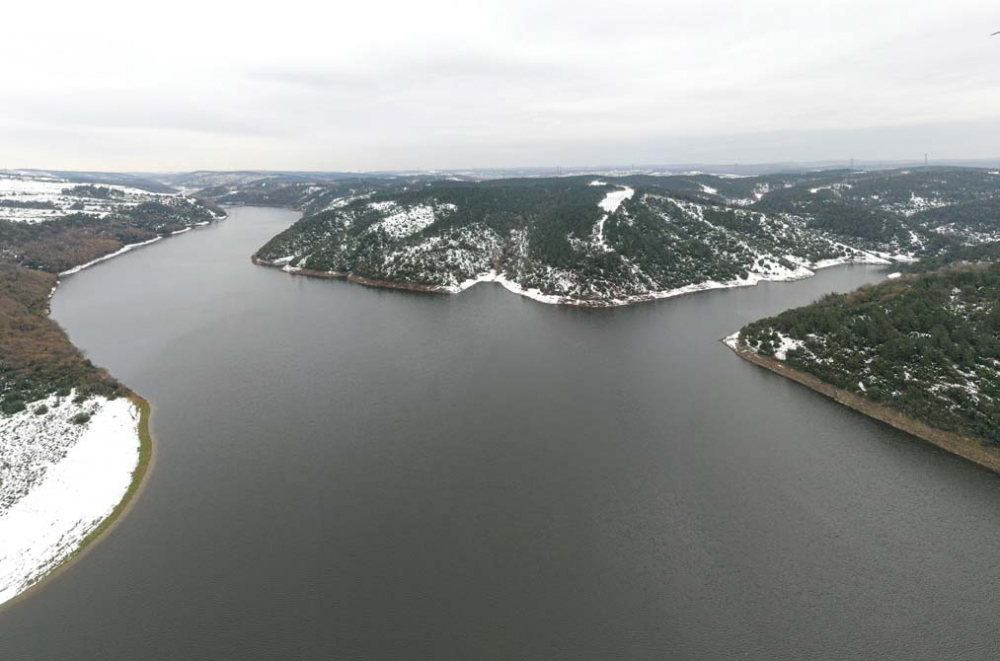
351	473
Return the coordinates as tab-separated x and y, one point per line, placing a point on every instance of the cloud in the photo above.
387	84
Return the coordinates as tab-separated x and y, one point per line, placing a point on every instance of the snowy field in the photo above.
36	198
59	480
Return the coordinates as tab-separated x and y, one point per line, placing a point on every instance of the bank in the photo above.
972	449
46	519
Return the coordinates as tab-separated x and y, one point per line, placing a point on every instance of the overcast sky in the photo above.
440	84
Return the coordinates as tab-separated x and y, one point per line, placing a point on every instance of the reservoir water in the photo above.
353	473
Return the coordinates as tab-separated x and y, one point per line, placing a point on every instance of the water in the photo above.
344	472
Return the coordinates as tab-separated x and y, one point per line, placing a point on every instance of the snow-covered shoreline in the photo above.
62	479
800	273
750	281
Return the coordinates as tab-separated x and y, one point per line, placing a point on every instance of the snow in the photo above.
709	189
614	199
60	481
510	285
403	221
38	188
895	276
598	182
610	204
833	187
341	202
785	345
489	276
555	299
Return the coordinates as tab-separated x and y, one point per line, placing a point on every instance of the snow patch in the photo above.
404	221
786	344
610	204
76	477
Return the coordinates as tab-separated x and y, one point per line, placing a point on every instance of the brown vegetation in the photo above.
36	357
59	245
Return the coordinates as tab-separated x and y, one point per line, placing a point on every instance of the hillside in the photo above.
74	441
50	225
925	345
612	241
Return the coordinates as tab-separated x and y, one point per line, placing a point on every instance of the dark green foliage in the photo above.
927	345
952	253
96	192
26	204
10	405
677	231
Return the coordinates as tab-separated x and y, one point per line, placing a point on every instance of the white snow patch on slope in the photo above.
87	472
404	221
610	203
786	344
614	199
489	276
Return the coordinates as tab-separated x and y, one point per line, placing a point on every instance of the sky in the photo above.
387	85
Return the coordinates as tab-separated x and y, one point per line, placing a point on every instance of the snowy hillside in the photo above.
611	241
34	197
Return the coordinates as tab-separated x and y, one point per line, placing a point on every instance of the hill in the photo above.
617	240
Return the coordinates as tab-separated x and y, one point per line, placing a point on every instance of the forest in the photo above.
927	344
670	232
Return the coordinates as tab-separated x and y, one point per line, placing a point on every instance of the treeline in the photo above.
676	230
92	191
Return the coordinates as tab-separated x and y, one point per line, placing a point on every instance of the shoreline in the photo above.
145	459
137	484
555	299
966	447
128	247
